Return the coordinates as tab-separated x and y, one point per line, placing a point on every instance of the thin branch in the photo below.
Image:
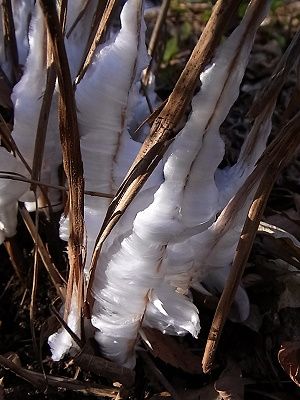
38	380
101	22
274	159
5	134
18	177
10	39
57	280
15	256
78	18
70	142
154	40
66	327
41	132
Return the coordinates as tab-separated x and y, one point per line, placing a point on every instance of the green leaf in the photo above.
171	49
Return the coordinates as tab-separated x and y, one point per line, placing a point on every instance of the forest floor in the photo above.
249	353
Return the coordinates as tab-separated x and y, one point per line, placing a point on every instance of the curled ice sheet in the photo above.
61	341
192	163
139	257
27	106
105	109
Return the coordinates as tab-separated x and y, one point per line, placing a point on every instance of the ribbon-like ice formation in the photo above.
173	234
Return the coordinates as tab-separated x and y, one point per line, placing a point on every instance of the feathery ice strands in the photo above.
170	237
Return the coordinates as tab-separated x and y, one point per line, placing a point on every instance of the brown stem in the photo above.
70	149
101	23
267	170
10	39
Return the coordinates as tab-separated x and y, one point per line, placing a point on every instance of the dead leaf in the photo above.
161	396
289	359
169	350
230	384
277	233
13	357
290	297
288	221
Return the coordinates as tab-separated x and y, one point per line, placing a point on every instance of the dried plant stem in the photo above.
164	126
16	259
32	308
5	93
5	134
71	151
74	337
41	132
101	22
78	18
57	280
10	39
154	40
18	177
270	165
102	367
38	380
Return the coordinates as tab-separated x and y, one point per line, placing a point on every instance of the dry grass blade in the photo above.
10	37
33	301
5	91
66	327
101	22
164	126
71	152
16	258
38	380
78	18
63	14
54	275
19	177
5	134
274	159
154	40
39	145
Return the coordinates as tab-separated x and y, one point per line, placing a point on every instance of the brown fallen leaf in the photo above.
289	359
230	384
161	396
288	221
169	350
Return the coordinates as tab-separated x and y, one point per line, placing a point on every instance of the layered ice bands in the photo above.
142	259
27	98
106	99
